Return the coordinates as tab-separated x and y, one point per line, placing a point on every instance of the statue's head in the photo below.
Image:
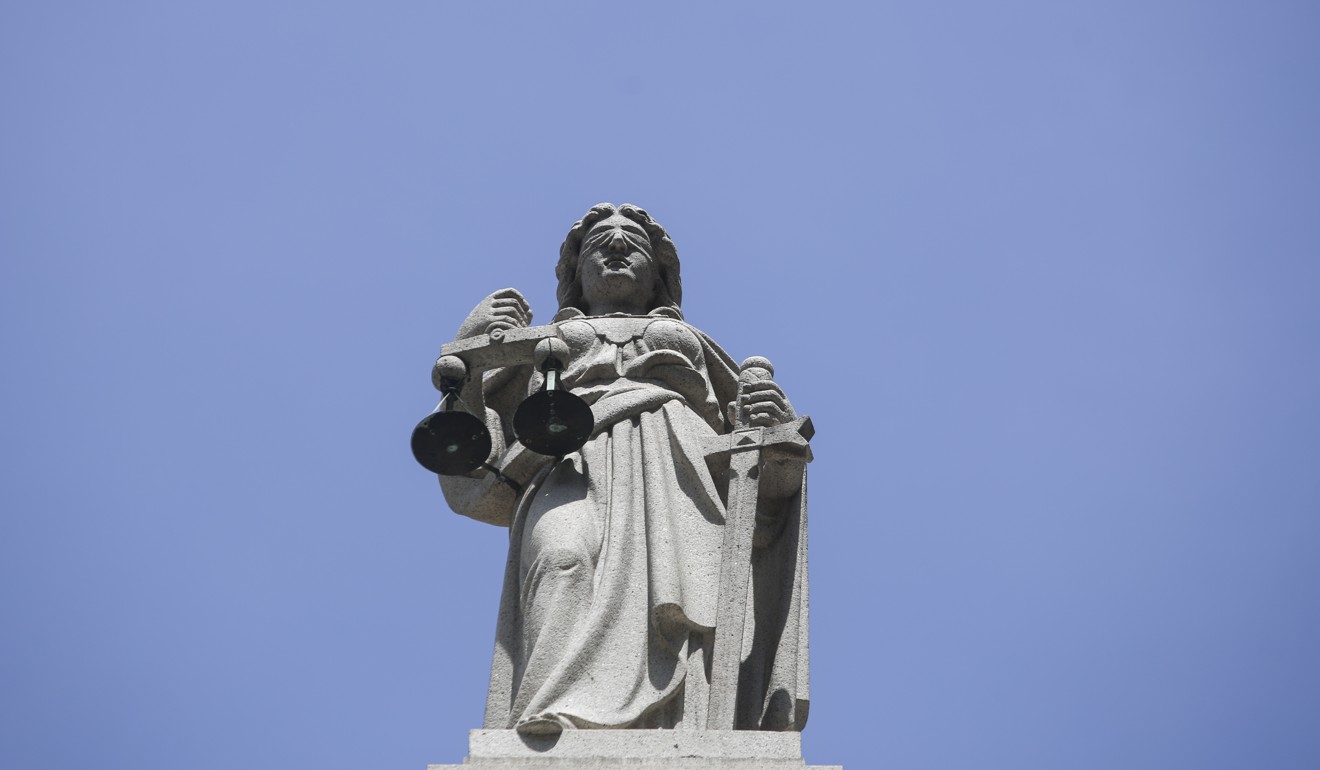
617	256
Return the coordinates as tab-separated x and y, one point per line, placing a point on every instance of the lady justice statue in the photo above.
657	573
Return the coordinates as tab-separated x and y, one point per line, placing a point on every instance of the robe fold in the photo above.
612	577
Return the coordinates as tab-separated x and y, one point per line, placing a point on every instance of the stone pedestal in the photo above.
635	750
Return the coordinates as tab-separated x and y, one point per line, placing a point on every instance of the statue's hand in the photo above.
762	403
505	309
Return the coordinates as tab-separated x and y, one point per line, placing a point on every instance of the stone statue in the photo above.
627	581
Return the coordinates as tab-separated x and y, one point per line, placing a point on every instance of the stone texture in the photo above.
657	576
636	750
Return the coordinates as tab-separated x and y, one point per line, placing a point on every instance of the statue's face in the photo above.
616	268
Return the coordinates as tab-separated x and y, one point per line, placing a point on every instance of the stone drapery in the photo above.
613	569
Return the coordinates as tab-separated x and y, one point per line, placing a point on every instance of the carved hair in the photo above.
668	286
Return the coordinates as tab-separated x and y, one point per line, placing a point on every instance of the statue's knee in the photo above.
561	560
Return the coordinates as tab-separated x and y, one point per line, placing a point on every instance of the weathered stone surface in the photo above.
657	573
636	749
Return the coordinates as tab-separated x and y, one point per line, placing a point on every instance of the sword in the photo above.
744	446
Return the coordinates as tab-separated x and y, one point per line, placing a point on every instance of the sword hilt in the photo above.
754	369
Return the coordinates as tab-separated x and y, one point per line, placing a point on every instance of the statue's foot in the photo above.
541	724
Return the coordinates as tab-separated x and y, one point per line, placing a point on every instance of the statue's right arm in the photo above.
488	396
503	309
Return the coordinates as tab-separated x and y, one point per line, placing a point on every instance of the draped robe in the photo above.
613	572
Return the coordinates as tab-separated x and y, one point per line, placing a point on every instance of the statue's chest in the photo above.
614	331
619	339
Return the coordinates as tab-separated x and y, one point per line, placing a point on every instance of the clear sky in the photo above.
1045	274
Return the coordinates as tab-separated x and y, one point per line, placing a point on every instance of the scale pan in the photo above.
451	443
553	422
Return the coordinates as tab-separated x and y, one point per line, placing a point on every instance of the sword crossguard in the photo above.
791	437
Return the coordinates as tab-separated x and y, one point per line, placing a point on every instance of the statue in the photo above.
669	530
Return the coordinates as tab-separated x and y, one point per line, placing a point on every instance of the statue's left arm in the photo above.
762	402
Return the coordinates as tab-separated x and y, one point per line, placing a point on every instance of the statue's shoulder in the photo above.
721	369
713	350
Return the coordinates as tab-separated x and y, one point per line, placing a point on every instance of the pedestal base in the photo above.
635	750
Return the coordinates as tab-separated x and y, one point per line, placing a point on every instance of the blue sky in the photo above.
1046	276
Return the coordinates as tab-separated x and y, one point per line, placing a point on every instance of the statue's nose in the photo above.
618	242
